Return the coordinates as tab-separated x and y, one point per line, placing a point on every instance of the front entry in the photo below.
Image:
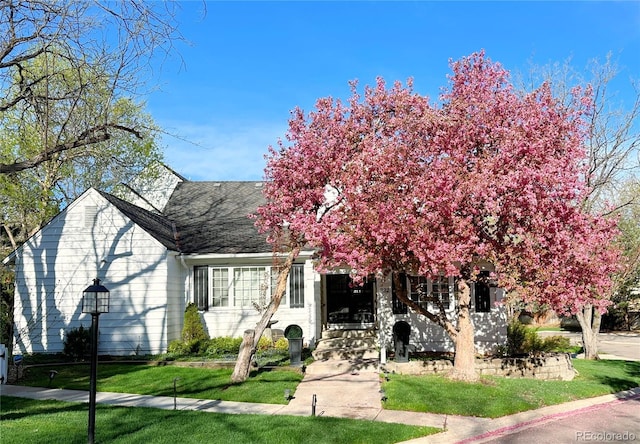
349	306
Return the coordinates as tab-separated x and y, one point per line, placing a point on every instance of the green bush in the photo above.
77	343
177	347
559	344
281	344
516	338
522	339
264	343
193	329
222	346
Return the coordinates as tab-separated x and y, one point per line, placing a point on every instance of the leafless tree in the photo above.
613	154
64	65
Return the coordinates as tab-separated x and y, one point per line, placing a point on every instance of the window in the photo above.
398	284
440	290
248	284
200	287
243	286
422	291
220	287
296	287
419	290
483	294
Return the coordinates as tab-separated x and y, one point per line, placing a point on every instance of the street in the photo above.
622	345
617	421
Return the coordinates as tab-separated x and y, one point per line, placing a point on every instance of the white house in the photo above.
180	241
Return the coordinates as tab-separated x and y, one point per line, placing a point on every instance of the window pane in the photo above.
483	293
441	290
296	286
201	287
220	286
418	288
247	285
398	307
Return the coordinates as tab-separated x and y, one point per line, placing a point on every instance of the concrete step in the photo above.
332	343
337	333
336	367
345	353
347	345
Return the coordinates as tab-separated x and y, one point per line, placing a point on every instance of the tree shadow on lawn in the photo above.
19	408
618	383
70	375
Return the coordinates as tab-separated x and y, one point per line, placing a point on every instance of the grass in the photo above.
265	386
493	397
52	422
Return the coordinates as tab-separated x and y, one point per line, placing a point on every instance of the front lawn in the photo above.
52	422
264	386
493	397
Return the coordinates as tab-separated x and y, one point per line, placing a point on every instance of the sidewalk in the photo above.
349	393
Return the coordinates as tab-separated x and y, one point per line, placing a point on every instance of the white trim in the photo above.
222	256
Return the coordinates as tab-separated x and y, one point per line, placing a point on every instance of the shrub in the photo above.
77	343
264	343
223	345
193	329
281	344
559	344
524	340
516	338
178	347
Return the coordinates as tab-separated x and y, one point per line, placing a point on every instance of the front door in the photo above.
349	305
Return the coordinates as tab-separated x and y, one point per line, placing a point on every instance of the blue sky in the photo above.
250	63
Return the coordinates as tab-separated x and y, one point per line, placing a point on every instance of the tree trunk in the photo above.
243	364
464	364
590	320
251	337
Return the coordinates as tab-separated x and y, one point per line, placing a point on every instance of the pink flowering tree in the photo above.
388	182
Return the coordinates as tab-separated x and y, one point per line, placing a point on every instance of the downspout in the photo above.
176	239
187	288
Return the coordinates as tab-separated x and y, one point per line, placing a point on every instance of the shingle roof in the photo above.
213	217
159	226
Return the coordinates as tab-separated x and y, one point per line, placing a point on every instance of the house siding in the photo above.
177	297
233	321
55	266
490	327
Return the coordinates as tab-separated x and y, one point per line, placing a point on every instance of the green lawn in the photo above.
52	422
494	397
195	382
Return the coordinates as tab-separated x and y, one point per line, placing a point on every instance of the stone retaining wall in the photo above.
547	367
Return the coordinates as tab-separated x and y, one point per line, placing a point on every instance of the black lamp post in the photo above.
95	300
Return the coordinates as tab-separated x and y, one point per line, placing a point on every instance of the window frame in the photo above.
226	291
411	284
295	286
482	303
201	292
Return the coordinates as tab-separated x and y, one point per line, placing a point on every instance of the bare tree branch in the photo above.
62	69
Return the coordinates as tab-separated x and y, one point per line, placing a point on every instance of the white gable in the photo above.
92	238
151	190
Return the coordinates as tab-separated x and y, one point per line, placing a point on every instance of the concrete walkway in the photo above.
340	390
